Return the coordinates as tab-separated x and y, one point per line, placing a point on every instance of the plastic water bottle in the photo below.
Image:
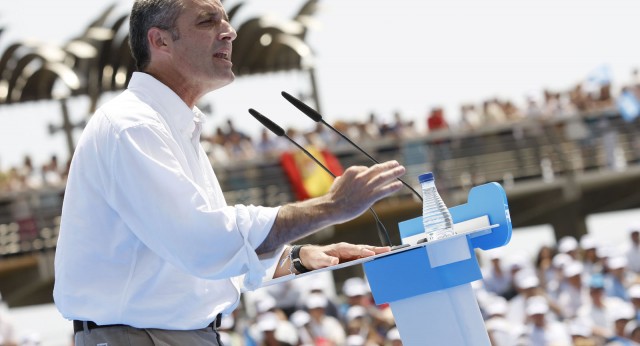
436	217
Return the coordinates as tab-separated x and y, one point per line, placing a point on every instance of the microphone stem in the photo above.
367	154
382	231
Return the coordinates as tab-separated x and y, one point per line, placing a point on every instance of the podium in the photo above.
428	286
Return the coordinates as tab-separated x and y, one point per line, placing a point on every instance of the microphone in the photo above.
278	131
315	116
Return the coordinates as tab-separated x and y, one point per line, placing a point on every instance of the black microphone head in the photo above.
310	112
273	127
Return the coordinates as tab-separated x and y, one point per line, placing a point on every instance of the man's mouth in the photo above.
222	55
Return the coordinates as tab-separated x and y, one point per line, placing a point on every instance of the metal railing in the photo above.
509	153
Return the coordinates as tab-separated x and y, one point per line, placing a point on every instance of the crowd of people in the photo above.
575	293
30	177
228	143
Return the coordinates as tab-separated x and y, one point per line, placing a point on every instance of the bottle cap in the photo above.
425	177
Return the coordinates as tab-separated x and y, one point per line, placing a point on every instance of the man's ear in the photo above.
158	39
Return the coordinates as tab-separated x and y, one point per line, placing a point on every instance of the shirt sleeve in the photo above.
170	214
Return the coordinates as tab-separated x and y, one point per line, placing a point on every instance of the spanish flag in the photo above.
306	177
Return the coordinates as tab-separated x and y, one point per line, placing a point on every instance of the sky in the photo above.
370	56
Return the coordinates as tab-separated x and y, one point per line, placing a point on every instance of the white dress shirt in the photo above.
146	237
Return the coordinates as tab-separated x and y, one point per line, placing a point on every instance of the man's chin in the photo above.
222	82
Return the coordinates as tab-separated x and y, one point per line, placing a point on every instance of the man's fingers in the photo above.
324	260
380	249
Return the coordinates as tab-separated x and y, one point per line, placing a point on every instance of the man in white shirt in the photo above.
149	252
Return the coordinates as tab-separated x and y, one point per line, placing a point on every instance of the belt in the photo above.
79	325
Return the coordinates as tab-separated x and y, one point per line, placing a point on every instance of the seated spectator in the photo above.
634	295
617	280
590	260
502	332
556	281
632	331
597	312
228	334
527	285
622	315
544	265
540	330
633	253
360	323
497	279
572	295
325	329
301	320
393	337
581	334
568	245
275	332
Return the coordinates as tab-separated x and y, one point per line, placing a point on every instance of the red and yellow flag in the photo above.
306	177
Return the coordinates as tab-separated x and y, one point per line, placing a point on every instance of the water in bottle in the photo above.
435	214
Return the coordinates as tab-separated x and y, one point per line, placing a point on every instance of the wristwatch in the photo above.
295	259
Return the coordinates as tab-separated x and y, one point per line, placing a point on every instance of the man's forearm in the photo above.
297	220
349	196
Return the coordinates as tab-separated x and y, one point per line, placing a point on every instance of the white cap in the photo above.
630	327
526	279
265	304
559	260
300	318
31	339
587	242
579	328
496	253
634	228
537	305
622	311
567	244
634	291
317	285
518	261
393	334
316	300
355	287
355	340
617	262
354	312
572	269
286	333
497	306
267	322
225	338
227	322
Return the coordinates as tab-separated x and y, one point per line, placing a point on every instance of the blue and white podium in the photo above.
428	286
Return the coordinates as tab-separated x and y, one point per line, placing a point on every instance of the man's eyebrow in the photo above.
216	13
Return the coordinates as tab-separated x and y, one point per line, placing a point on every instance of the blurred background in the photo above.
539	96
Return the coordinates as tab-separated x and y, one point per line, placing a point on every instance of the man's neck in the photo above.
188	93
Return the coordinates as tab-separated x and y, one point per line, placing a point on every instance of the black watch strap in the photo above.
295	259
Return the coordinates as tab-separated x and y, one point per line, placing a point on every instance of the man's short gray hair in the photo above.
147	14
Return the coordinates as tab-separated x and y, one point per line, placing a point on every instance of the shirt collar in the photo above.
172	107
